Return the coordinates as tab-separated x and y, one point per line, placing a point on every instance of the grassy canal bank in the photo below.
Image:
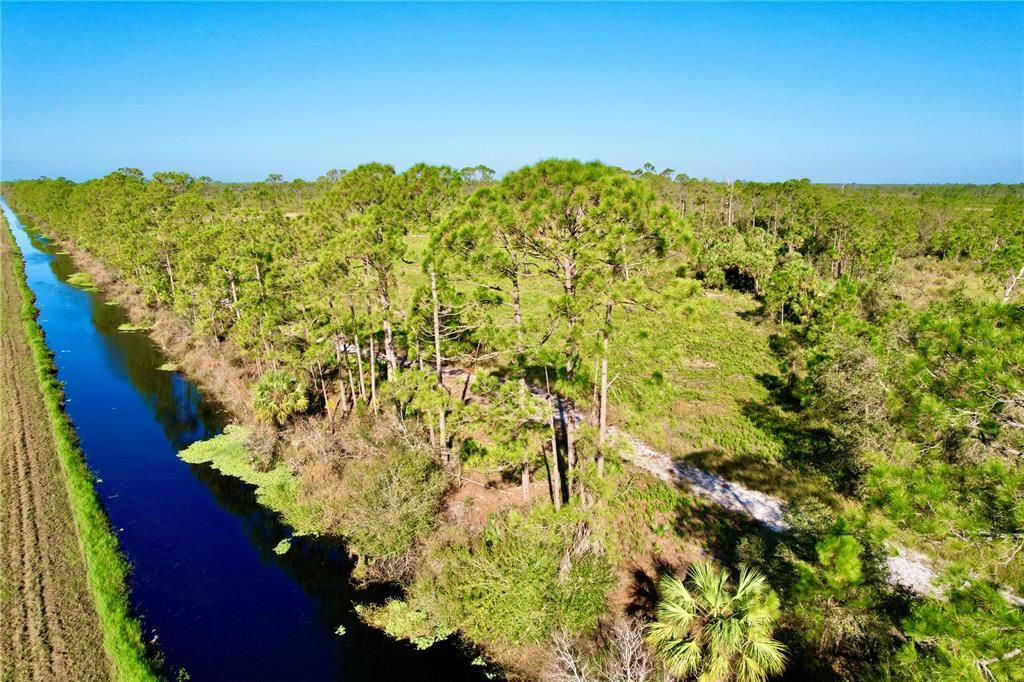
63	594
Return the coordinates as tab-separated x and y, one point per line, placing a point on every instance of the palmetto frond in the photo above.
707	629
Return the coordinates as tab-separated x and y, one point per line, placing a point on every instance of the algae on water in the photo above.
131	327
82	280
168	367
276	489
401	621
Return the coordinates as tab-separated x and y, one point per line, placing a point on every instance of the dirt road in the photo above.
49	629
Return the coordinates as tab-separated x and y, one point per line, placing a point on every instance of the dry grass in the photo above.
922	281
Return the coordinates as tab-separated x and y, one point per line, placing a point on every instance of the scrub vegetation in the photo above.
63	587
442	363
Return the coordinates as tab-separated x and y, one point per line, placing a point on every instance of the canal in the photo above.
206	583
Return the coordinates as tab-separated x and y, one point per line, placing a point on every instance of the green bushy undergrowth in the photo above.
945	639
519	580
387	505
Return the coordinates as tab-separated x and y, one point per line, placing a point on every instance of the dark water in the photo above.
205	580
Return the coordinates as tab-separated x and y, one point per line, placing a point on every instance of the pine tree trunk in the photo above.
343	392
389	337
389	350
373	376
1011	284
570	450
442	429
234	298
259	280
359	356
341	375
437	326
557	488
348	370
442	417
323	384
602	433
526	478
569	285
517	315
170	274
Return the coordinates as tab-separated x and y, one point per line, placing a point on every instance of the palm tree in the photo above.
277	396
704	628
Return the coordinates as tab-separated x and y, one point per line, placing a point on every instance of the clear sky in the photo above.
837	92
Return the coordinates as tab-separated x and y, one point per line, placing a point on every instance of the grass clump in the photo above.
106	568
131	327
276	488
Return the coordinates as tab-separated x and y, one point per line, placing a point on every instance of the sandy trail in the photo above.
907	568
49	629
766	509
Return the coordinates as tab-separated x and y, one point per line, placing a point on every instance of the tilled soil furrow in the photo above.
56	532
49	629
24	633
31	558
14	633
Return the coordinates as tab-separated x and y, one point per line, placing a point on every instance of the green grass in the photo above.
923	280
168	367
695	383
692	380
277	489
693	372
106	568
130	327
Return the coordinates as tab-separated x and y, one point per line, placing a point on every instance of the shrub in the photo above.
401	621
387	504
624	657
277	397
518	581
976	635
261	442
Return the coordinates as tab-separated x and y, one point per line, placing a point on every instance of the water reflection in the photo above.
222	603
175	401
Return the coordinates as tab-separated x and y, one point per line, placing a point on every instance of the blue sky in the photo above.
837	92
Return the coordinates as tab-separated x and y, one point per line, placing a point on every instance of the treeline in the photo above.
326	308
476	314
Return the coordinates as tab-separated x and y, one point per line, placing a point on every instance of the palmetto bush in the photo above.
277	397
709	630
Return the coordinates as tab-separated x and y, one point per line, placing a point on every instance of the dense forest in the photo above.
451	369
